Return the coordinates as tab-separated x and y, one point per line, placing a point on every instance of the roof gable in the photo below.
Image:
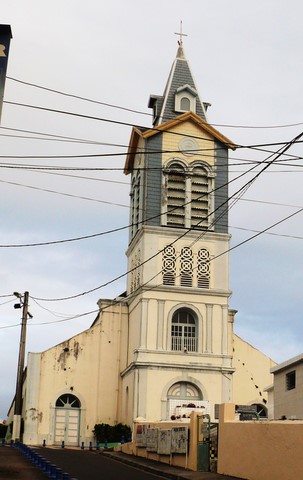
170	126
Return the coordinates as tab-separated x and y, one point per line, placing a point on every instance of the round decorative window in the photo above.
188	146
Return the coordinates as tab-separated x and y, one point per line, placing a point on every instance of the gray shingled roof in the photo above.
180	75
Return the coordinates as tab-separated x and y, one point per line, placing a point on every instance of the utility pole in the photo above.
19	383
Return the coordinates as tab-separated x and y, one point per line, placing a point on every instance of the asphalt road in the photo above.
86	465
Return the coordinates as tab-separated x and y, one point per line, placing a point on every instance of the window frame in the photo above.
188	210
187	341
290	380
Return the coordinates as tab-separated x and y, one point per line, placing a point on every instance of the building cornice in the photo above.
164	231
179	367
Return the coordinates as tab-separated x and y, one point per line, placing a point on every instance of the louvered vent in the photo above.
199	197
169	265
186	270
176	196
203	270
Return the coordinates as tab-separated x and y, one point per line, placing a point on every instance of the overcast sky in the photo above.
246	58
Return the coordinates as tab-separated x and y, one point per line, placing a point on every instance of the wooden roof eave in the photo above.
132	150
191	116
170	124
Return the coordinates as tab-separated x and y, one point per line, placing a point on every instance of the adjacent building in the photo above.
288	389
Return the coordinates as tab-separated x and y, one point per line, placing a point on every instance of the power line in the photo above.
117	122
64	194
243	189
80	315
82	177
56	138
181	236
35	167
97	234
146	113
295	237
118	229
78	97
95	142
140	127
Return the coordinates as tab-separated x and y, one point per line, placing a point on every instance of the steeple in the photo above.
180	94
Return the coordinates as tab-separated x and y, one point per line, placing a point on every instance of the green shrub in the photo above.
111	433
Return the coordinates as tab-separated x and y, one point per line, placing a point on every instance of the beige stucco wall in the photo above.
252	373
259	450
87	366
152	240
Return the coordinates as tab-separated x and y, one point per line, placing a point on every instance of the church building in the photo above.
168	341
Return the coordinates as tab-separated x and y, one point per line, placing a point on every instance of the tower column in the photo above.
209	328
160	324
144	318
224	344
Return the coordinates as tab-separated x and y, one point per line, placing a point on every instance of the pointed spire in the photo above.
180	93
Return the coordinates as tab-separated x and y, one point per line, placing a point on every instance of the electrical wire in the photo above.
244	188
107	120
140	127
125	227
64	194
78	97
80	315
212	259
85	237
95	142
56	138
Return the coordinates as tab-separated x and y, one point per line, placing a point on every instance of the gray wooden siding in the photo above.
153	181
221	188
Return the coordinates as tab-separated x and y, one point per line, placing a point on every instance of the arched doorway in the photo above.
67	420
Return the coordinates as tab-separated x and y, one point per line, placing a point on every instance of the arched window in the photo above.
176	196
184	395
184	390
185	104
184	331
68	401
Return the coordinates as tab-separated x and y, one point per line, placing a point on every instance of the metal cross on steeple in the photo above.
181	34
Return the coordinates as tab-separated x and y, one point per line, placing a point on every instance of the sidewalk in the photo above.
165	470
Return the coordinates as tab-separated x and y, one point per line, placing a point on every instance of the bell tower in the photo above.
178	281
